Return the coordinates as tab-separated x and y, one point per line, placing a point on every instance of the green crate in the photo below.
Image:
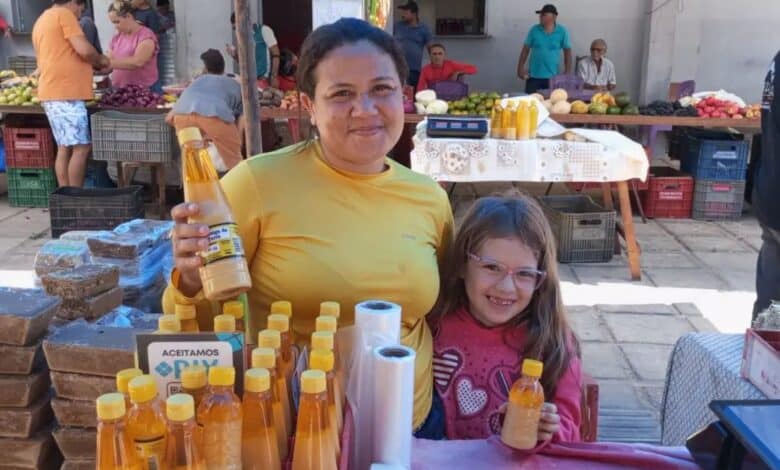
30	187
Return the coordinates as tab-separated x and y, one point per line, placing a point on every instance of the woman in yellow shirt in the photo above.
334	218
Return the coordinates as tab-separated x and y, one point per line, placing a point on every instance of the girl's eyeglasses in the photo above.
494	271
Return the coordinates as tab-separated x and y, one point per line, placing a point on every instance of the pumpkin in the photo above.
561	107
558	95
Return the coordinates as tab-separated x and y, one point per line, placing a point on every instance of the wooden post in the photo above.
247	68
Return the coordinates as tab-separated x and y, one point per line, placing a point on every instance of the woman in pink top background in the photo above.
133	50
500	302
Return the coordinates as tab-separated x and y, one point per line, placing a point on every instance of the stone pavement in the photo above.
696	276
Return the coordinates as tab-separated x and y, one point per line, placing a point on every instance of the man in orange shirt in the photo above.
65	61
441	68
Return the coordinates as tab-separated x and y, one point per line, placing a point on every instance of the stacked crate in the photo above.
30	154
718	163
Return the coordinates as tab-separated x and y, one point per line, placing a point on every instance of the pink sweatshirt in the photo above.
474	367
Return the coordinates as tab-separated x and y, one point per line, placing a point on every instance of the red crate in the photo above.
29	148
669	194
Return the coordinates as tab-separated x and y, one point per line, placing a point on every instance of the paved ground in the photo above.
696	276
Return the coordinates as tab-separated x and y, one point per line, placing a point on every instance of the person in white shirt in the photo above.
597	71
266	52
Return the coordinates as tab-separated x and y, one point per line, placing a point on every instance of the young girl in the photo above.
500	302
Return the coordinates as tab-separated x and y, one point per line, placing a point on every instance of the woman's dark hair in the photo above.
344	31
213	61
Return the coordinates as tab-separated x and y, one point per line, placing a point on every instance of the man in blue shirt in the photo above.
544	44
413	37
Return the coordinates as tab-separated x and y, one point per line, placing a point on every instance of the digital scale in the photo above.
467	127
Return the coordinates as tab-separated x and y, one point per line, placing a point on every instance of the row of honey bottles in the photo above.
515	121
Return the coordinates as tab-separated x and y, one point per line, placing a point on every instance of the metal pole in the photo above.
247	68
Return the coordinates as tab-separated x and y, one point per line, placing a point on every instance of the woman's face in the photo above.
357	107
123	24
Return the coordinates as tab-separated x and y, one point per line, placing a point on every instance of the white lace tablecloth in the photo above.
703	367
608	156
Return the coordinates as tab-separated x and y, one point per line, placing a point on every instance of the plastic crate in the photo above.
669	195
715	159
30	187
718	200
93	208
29	147
585	231
118	136
22	65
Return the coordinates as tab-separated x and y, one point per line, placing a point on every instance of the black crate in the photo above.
718	200
93	208
585	231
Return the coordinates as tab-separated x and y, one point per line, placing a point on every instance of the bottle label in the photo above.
151	452
224	242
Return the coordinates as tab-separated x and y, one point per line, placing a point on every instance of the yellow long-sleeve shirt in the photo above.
313	233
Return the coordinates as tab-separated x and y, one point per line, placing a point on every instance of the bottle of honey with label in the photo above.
146	422
115	448
524	408
265	358
260	446
313	443
224	273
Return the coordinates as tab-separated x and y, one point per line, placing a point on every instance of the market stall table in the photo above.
703	367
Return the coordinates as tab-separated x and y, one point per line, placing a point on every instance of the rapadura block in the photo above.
20	360
81	386
91	307
79	465
19	391
76	443
81	282
24	422
25	315
75	413
37	452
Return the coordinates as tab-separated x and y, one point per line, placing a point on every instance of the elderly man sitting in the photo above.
597	71
441	68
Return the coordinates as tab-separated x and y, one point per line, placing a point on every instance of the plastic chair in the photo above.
567	81
450	90
677	90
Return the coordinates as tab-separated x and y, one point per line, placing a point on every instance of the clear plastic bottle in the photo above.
313	447
183	449
509	121
325	340
260	445
272	339
523	121
281	306
533	118
221	416
224	324
194	382
235	308
281	323
265	358
497	121
330	309
224	273
188	318
168	324
322	359
115	449
123	378
526	398
146	422
326	324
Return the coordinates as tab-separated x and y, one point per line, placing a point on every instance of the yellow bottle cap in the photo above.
321	359
234	308
532	368
224	324
326	324
168	324
222	376
330	309
142	389
193	377
322	340
188	134
186	312
180	407
110	406
264	358
269	339
257	380
313	381
124	376
282	306
279	322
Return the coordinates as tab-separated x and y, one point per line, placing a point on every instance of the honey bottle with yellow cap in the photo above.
224	324
260	445
283	307
524	408
272	339
194	382
146	421
265	358
224	273
235	308
330	309
281	323
322	359
115	449
168	324
123	378
325	340
221	416
183	449
313	442
188	318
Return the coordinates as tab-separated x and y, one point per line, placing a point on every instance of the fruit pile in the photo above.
132	96
607	103
290	101
657	108
476	104
712	107
22	94
271	97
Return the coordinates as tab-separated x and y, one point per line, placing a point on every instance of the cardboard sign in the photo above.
165	356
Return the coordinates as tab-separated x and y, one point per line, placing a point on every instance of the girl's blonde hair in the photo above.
121	7
515	215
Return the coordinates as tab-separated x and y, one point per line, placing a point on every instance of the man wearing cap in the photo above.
413	37
544	44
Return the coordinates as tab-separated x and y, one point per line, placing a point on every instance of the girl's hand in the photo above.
549	422
188	239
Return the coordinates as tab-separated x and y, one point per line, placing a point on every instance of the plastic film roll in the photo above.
393	405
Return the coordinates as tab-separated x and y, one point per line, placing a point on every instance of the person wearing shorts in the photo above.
66	60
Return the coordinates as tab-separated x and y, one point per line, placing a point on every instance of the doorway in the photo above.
290	20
